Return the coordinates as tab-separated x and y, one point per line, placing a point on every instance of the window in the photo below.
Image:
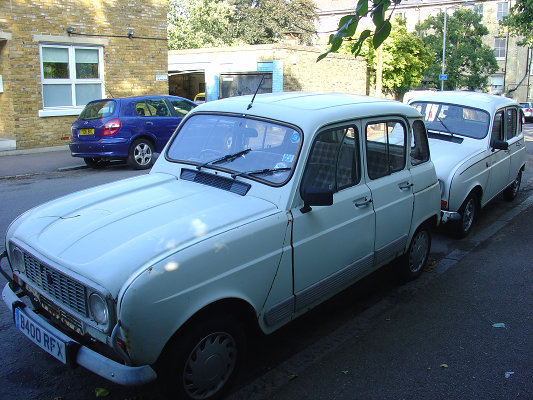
478	9
158	108
511	130
499	48
503	10
385	148
497	128
419	144
333	163
71	75
496	84
182	107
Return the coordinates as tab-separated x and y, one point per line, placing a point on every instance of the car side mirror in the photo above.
500	145
315	196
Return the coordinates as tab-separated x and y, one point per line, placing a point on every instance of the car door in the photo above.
390	183
498	161
161	123
333	245
515	140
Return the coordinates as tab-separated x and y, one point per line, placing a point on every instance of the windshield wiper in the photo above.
227	157
266	171
445	126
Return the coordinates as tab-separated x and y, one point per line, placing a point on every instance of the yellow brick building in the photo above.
56	55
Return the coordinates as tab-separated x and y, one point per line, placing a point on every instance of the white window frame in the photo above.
500	45
496	84
71	109
503	11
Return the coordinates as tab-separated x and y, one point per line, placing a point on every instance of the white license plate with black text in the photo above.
41	336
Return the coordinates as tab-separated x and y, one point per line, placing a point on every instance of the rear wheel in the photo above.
417	255
510	192
202	362
95	162
141	154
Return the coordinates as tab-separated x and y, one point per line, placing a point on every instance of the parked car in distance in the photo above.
477	147
527	109
255	212
130	129
199	98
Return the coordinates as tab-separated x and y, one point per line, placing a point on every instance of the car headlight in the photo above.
17	260
98	309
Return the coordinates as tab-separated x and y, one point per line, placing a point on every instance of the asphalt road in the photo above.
378	339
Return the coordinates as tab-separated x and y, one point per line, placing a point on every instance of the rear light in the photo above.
529	109
111	127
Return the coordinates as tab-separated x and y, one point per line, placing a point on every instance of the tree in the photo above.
520	21
468	62
377	9
211	23
198	23
404	60
265	21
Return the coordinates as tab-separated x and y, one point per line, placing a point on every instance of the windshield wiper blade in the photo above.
227	157
445	126
266	171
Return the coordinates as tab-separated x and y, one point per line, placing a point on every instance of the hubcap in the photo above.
468	215
142	154
210	365
419	250
516	185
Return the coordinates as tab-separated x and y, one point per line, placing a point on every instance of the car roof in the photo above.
316	107
133	98
483	101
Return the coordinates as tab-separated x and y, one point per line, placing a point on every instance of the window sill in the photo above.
58	112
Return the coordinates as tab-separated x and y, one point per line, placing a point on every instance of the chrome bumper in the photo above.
446	216
87	358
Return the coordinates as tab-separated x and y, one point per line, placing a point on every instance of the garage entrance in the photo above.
186	84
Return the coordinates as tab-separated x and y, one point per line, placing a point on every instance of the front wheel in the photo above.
201	363
510	192
417	255
468	212
141	154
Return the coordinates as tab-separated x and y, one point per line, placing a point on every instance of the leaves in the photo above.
101	392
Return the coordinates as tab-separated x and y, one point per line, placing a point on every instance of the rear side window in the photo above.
419	144
142	109
158	108
385	148
182	107
511	130
98	109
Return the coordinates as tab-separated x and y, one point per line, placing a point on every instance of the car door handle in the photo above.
405	185
362	202
149	123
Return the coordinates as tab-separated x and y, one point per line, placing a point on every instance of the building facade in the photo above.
57	55
233	71
514	77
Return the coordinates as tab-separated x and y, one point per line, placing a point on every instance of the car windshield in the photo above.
248	148
98	109
454	119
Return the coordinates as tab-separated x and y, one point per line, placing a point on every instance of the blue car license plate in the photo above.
41	336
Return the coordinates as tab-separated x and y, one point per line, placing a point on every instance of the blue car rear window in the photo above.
98	109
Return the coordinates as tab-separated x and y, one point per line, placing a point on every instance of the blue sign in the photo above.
443	77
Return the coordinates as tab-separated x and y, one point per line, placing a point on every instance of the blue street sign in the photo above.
443	77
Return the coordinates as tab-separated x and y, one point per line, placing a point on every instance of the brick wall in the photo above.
130	65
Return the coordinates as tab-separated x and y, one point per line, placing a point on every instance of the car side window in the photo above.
419	144
142	109
158	108
511	124
385	148
182	107
334	160
497	128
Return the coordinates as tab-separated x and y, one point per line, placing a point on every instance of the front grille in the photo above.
57	286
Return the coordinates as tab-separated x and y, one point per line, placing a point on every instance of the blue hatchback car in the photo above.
130	129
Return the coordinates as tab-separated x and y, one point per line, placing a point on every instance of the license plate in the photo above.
86	131
40	336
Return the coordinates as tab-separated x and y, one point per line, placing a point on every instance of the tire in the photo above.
417	255
469	210
510	192
95	162
141	155
202	362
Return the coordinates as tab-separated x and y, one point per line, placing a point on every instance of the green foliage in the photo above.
520	21
211	23
468	62
198	23
346	32
404	59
